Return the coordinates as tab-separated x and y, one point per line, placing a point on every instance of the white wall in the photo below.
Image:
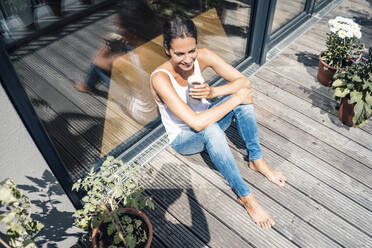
21	160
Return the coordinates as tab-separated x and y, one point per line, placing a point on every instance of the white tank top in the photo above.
174	125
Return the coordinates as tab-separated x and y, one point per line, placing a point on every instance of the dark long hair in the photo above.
178	27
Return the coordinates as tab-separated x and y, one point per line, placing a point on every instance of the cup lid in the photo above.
195	78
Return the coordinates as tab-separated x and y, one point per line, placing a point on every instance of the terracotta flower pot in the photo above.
130	211
346	112
325	72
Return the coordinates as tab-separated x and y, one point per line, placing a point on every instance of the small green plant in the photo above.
21	228
113	186
342	42
355	83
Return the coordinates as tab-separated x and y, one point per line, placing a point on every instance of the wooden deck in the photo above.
327	201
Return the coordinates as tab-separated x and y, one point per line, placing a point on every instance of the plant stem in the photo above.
116	226
4	244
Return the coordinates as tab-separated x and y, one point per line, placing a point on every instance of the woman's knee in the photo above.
244	109
213	131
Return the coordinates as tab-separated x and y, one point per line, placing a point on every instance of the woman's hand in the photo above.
201	91
245	95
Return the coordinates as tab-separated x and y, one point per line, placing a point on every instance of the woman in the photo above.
193	128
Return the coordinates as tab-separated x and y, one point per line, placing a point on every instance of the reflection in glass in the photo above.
285	11
89	83
21	18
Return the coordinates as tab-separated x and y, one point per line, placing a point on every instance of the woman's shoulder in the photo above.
205	57
159	73
204	52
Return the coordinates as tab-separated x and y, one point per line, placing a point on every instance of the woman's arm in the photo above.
236	80
198	121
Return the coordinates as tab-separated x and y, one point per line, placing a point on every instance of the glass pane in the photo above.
112	53
285	11
21	18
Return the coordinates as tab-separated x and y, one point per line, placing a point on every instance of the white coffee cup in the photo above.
193	81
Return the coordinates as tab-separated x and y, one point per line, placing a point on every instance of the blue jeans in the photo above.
96	74
213	139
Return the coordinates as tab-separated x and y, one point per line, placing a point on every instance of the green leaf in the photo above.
16	228
150	204
338	83
131	241
339	92
117	239
29	243
358	110
6	196
7	217
39	226
369	98
138	223
355	97
356	78
110	229
129	228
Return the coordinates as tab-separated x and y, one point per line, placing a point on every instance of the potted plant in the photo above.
21	228
342	48
354	86
112	206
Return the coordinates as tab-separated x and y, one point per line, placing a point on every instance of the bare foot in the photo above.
82	87
274	176
257	212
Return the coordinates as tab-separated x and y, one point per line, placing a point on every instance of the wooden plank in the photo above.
85	102
320	169
306	92
39	82
293	197
306	192
286	220
333	157
116	115
326	133
180	201
225	206
170	231
355	134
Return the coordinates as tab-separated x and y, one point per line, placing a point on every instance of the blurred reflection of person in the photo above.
134	20
131	12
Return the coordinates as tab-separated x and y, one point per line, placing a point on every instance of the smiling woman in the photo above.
195	126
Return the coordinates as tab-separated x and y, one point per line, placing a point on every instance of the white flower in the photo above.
349	34
347	20
341	34
339	18
346	27
334	30
332	22
355	27
337	26
357	34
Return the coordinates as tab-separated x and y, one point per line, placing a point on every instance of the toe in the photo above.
263	225
267	224
272	222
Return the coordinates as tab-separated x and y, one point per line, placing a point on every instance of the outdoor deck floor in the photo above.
327	201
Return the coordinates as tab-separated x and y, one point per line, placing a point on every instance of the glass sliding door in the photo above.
89	81
285	11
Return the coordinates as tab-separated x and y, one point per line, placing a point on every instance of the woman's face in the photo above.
183	53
